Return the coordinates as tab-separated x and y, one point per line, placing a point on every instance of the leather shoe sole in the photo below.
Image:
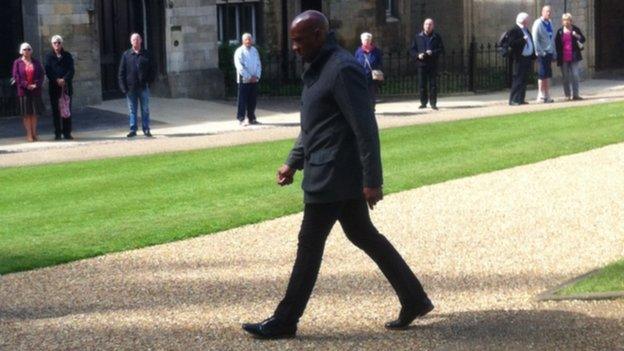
407	316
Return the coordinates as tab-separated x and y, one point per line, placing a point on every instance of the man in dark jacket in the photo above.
136	73
59	67
522	56
338	149
426	49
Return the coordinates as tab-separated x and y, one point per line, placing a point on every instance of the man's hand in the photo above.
253	79
60	82
421	56
373	196
285	175
429	52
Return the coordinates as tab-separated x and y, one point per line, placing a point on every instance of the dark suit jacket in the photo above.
419	46
136	71
576	51
57	68
338	146
517	42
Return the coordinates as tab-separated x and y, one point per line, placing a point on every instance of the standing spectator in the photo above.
427	47
544	39
338	150
28	74
370	57
569	42
59	67
136	73
522	55
248	71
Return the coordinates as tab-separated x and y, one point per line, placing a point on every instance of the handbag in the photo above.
64	104
377	73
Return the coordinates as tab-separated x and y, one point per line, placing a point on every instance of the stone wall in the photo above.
192	52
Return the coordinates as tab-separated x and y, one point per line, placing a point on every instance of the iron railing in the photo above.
480	68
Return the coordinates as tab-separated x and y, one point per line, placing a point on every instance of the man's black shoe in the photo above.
434	107
271	329
514	104
148	134
422	106
253	121
69	137
524	103
57	137
408	314
131	135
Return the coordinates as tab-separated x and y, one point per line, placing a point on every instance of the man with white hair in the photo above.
248	71
522	55
545	49
136	73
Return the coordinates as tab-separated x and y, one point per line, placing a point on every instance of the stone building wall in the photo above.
192	51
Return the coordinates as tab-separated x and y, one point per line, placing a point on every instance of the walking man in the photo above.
545	48
522	55
136	73
248	71
338	149
426	48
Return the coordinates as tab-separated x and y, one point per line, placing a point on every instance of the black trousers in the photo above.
318	220
247	97
428	84
521	67
62	126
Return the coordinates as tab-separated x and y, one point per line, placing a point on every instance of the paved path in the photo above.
484	246
186	124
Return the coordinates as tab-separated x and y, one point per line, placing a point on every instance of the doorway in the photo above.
117	20
609	35
311	5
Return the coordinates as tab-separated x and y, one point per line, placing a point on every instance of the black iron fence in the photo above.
480	68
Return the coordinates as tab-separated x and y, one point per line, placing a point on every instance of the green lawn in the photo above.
58	213
608	279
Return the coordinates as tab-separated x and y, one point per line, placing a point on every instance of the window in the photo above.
391	12
235	19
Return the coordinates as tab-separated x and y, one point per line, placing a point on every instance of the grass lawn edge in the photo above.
557	294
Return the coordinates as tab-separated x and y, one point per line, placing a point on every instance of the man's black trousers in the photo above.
62	126
247	97
318	220
521	68
428	85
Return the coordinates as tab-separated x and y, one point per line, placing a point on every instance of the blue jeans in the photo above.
133	98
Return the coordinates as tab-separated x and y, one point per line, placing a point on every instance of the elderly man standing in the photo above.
248	71
338	149
544	37
426	48
136	73
522	55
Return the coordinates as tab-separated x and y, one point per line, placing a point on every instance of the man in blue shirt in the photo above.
545	50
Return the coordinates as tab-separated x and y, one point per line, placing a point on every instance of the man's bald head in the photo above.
308	32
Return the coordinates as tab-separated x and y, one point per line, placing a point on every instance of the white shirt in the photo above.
247	62
528	47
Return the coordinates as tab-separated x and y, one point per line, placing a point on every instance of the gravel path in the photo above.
484	246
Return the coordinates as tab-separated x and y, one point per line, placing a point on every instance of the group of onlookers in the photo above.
28	77
546	45
136	72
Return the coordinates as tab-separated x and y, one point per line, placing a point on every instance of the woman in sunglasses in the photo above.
28	74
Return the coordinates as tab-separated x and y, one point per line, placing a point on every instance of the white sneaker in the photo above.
244	123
